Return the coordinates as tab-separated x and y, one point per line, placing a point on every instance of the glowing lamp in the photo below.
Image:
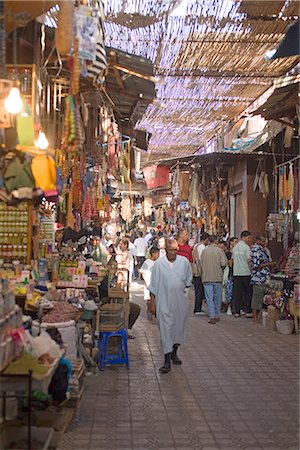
13	102
42	141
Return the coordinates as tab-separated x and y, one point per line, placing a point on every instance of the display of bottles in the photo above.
8	251
26	82
13	232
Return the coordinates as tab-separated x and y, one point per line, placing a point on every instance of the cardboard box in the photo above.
273	312
271	323
268	322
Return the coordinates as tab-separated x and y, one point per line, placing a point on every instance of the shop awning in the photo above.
212	159
282	103
289	45
129	83
20	13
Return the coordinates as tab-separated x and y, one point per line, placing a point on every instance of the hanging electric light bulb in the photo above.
42	141
13	102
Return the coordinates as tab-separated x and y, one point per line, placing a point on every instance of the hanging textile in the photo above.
105	122
291	187
281	189
99	186
156	176
296	189
147	206
194	191
97	68
184	186
175	183
125	209
288	137
112	154
286	188
70	222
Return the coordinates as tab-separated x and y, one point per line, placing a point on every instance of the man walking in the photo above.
171	276
213	263
141	246
184	249
242	289
198	285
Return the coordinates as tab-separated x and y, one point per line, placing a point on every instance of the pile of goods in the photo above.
62	312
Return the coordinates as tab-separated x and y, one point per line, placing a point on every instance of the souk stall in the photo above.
39	368
196	193
282	296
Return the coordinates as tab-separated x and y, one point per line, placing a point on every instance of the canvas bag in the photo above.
196	265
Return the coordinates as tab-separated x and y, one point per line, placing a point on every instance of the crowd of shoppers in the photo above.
229	275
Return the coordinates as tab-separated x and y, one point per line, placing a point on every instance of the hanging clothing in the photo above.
193	192
169	281
296	189
184	185
175	183
96	70
156	176
291	187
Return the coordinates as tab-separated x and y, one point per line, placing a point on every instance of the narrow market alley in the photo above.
237	388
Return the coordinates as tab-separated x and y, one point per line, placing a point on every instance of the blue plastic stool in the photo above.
105	358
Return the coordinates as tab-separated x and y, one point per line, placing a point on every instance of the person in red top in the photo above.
183	248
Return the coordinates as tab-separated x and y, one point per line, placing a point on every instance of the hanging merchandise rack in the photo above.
286	181
288	162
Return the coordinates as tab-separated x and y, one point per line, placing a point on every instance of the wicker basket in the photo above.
285	326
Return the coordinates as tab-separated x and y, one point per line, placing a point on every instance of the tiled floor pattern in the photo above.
237	389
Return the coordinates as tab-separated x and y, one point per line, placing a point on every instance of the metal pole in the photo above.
29	409
288	162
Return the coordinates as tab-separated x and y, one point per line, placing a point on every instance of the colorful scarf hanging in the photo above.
286	188
276	189
112	154
281	189
291	188
296	189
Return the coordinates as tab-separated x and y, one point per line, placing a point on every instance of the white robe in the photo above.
168	283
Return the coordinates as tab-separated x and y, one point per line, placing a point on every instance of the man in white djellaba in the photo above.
171	276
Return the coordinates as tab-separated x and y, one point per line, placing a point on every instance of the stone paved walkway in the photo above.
237	389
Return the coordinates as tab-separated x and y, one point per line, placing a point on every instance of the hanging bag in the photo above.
152	305
256	179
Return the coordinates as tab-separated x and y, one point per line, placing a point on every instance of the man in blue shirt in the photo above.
260	264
